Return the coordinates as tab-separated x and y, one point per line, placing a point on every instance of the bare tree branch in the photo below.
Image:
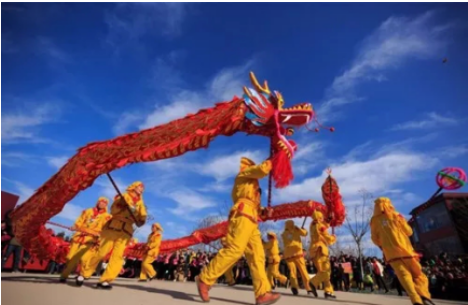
359	227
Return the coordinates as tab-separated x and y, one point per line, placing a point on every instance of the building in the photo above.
441	225
9	202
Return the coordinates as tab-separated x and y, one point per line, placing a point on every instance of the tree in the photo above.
358	222
340	247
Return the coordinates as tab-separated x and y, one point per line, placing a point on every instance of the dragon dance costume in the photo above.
294	255
83	243
153	244
390	232
319	253
229	274
258	112
243	235
273	259
116	234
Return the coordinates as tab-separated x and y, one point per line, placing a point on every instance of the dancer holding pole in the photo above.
127	209
84	241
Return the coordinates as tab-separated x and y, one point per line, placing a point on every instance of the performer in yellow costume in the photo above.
228	275
294	255
153	243
116	234
243	235
390	232
318	251
83	243
273	259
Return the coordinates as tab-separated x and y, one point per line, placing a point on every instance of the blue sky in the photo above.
77	73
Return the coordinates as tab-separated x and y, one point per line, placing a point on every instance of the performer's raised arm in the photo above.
255	171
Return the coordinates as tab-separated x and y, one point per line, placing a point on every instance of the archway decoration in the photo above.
259	112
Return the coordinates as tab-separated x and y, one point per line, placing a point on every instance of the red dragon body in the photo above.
258	112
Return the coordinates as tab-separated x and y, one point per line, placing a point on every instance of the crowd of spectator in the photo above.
448	276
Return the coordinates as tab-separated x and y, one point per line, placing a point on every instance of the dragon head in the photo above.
266	110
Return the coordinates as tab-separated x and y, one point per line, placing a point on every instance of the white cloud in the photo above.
376	175
218	187
22	190
57	162
107	189
224	85
395	41
70	212
188	202
14	159
453	151
227	166
24	126
431	120
125	121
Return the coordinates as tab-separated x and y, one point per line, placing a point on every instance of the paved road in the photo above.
31	289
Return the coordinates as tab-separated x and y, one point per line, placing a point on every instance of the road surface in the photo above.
40	289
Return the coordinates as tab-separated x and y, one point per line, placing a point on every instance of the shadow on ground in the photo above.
309	296
174	294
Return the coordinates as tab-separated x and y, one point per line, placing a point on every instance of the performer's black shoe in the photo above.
427	301
62	280
329	295
313	290
104	285
79	280
417	304
143	281
295	291
273	287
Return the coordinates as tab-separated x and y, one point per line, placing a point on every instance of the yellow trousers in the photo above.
229	276
273	273
243	237
299	263
147	269
322	264
413	280
79	253
110	240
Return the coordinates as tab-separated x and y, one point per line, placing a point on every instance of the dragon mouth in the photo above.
298	115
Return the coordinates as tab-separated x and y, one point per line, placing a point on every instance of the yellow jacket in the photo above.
390	231
153	243
122	220
245	195
272	251
92	221
319	237
292	240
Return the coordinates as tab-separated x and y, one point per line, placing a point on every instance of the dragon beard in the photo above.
282	172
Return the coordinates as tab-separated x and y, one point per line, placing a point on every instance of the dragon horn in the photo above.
257	86
247	92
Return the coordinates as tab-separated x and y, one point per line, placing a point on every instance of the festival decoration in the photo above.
259	112
449	178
